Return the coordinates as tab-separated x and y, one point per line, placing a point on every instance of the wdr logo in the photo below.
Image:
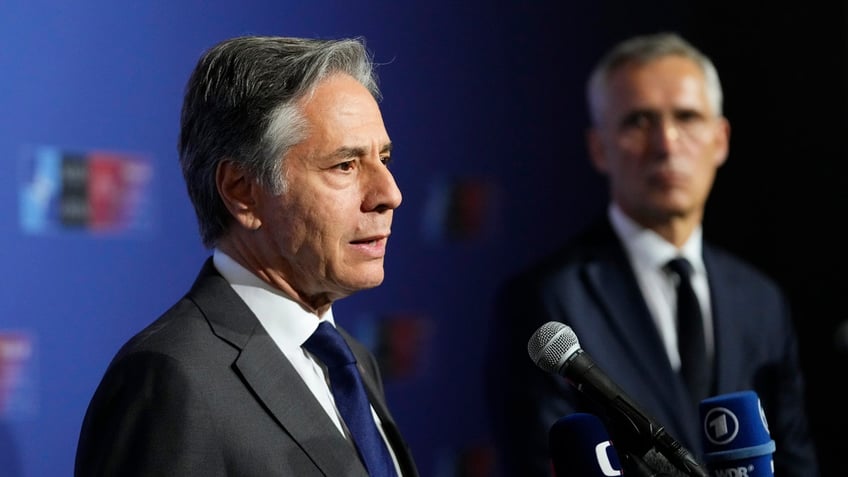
734	472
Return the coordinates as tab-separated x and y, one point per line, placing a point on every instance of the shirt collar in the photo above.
283	318
648	248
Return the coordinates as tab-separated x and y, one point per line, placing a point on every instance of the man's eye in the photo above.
385	160
344	166
688	116
638	120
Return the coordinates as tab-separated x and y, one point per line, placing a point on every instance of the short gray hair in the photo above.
240	105
643	49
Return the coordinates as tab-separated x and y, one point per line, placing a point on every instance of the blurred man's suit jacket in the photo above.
590	286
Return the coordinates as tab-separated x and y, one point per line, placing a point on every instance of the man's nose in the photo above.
382	191
666	135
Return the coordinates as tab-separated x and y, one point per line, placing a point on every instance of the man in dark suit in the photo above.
285	157
658	135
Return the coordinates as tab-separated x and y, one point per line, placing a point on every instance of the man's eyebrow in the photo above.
347	151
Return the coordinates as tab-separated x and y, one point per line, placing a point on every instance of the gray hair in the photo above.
240	105
641	50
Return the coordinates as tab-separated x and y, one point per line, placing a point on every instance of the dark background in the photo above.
484	102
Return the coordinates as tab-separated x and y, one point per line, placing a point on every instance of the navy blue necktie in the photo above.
694	366
351	400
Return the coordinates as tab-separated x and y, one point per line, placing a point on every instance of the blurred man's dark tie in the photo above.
695	367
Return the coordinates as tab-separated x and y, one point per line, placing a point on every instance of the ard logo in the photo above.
721	426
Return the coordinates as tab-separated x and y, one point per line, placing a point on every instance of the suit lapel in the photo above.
270	376
628	314
610	277
726	301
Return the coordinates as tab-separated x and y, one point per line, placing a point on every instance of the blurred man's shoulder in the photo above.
739	269
594	240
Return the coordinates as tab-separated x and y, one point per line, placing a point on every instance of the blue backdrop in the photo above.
484	103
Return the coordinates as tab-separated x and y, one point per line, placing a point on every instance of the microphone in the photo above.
737	440
554	348
580	446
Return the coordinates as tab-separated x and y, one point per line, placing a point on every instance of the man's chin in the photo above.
365	281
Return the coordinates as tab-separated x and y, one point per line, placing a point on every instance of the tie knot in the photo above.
328	345
681	267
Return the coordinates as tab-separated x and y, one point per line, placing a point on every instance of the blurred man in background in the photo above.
659	136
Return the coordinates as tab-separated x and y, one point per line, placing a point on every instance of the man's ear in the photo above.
595	147
240	194
722	142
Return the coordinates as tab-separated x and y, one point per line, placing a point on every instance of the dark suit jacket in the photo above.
591	286
204	391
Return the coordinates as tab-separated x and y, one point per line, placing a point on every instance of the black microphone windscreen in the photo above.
580	446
